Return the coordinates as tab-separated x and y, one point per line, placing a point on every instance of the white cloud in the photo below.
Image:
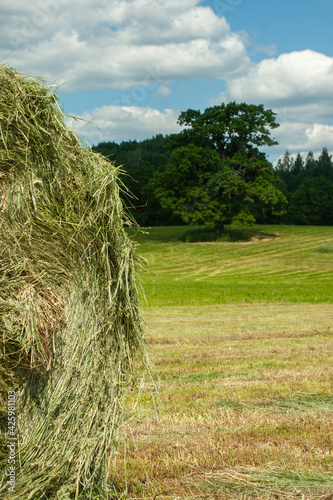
320	135
304	136
116	123
98	44
298	86
301	137
296	78
142	46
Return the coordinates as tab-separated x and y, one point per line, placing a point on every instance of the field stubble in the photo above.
244	406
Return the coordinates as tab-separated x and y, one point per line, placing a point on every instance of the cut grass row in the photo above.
245	404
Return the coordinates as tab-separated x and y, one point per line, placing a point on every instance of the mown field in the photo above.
240	332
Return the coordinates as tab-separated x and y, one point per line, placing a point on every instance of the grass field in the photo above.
240	333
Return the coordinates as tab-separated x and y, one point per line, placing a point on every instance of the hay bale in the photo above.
69	313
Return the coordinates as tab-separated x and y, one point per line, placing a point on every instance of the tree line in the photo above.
213	173
308	187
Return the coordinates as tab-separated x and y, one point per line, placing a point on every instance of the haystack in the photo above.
70	321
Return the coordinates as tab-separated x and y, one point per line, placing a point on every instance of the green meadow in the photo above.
240	333
261	264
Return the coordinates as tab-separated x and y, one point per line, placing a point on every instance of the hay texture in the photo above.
69	316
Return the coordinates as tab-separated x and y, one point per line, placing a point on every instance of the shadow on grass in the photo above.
229	235
199	234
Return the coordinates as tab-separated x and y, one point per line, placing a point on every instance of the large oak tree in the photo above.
217	173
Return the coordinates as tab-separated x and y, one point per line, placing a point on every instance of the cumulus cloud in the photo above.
296	77
320	135
115	123
97	44
302	136
298	86
142	46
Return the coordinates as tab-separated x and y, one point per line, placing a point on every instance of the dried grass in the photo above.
69	314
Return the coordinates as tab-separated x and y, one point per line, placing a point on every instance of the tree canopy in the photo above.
216	173
227	128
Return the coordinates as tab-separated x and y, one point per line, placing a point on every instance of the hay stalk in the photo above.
69	312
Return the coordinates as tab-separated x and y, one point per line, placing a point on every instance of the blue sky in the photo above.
131	66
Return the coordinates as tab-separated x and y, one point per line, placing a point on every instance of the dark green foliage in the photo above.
203	189
227	129
140	161
291	172
312	202
324	166
184	186
308	187
216	173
